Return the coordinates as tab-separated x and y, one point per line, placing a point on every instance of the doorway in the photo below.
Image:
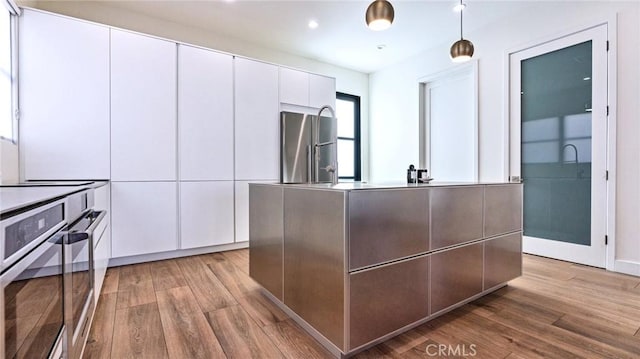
558	145
449	124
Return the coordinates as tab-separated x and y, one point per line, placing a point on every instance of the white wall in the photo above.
348	81
393	124
9	170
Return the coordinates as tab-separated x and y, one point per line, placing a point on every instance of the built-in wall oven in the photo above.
32	297
79	274
47	278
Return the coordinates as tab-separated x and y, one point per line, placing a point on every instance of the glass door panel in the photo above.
558	145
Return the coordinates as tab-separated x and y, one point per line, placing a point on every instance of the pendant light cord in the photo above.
461	11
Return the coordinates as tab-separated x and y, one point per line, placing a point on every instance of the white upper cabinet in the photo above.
143	108
304	89
205	114
322	91
294	87
64	97
257	129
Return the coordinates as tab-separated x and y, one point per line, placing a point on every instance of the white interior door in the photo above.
451	131
558	145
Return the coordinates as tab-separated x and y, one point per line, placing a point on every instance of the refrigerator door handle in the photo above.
309	164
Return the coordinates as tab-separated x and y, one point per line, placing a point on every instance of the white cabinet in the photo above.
322	91
144	218
143	108
304	89
64	97
242	209
102	238
257	130
206	213
294	87
205	114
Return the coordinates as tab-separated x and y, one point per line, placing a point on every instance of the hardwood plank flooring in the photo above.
240	336
207	306
138	333
101	335
187	333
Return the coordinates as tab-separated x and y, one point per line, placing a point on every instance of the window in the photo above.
7	75
348	114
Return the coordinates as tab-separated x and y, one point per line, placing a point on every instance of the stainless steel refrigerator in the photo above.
308	152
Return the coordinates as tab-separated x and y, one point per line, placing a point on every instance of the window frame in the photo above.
14	13
357	153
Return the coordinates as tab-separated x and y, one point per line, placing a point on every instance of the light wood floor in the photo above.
208	307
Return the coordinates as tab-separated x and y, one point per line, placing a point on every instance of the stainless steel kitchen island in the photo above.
355	264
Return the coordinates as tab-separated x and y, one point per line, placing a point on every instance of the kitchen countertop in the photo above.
354	186
15	199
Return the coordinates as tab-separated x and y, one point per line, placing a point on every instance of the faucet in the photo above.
333	167
575	150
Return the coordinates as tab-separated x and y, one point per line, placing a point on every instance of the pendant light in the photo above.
461	50
379	15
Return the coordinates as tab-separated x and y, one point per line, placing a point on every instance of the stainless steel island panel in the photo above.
387	298
502	209
387	225
502	259
314	259
266	233
456	215
456	275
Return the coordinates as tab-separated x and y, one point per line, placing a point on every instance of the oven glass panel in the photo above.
30	228
33	307
80	279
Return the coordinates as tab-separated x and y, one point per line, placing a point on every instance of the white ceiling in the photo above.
342	37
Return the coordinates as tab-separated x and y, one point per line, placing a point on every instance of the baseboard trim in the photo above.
627	267
120	261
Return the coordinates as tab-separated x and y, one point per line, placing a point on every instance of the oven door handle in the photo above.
83	235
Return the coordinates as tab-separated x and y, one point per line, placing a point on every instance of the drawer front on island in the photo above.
502	259
502	209
456	215
387	298
387	225
456	275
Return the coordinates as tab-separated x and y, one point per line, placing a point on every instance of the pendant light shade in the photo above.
379	15
461	50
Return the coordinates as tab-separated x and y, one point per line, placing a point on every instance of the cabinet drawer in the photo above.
387	225
456	275
456	215
502	259
388	298
503	209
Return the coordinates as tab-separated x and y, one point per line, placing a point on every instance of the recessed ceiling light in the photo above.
381	46
313	24
459	7
587	78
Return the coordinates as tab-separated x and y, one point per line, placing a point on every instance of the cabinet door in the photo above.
294	87
143	108
206	213
205	114
456	275
242	209
64	97
144	218
257	131
322	91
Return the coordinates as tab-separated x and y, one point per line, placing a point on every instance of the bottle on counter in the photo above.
412	174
